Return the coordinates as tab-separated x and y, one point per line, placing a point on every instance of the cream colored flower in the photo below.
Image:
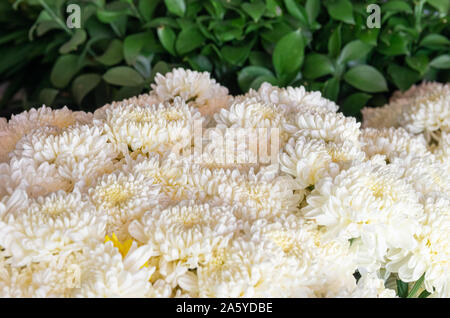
371	203
431	255
57	224
187	231
197	89
124	197
22	124
157	128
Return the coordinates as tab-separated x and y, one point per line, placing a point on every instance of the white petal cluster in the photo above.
187	191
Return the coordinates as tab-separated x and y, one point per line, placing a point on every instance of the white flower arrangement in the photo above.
188	191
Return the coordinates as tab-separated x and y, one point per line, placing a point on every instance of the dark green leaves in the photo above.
189	39
64	69
366	78
113	54
83	84
251	73
402	289
254	9
317	65
177	7
441	62
78	38
123	76
402	77
288	54
167	38
353	51
341	10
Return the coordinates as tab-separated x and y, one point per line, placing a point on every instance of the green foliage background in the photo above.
324	45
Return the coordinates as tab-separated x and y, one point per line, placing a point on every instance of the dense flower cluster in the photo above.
122	203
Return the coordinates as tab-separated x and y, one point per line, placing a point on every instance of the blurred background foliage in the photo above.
122	44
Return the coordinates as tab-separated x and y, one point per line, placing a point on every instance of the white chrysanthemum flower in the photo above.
107	273
322	267
57	224
368	202
328	126
187	231
381	117
308	160
426	109
392	142
170	173
124	197
295	98
243	269
369	286
431	255
22	124
197	89
158	128
261	194
442	150
426	174
79	153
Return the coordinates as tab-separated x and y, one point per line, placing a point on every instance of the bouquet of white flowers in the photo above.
188	191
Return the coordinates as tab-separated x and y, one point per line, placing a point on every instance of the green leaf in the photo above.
288	54
369	36
113	54
83	84
254	9
396	6
441	5
441	62
188	40
235	55
424	294
353	104
334	43
331	89
396	45
256	83
48	95
64	69
341	10
110	16
402	289
134	44
177	7
435	41
296	11
248	74
200	63
161	68
259	58
317	65
312	8
167	38
402	77
146	8
418	63
123	76
416	286
78	38
353	51
366	78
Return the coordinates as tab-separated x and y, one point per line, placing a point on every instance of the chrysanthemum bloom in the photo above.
424	108
431	255
123	197
57	224
197	89
187	231
22	124
371	203
157	128
294	98
392	142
